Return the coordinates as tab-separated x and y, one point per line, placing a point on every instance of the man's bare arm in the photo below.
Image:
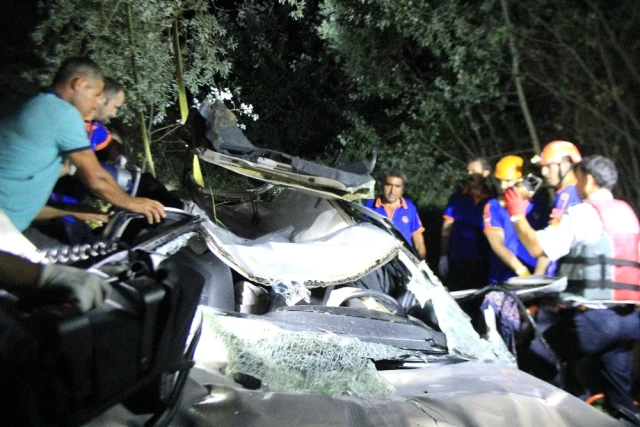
445	235
16	272
496	240
527	236
79	211
541	265
102	184
421	247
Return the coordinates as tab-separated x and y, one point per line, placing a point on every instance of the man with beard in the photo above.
558	161
508	256
464	259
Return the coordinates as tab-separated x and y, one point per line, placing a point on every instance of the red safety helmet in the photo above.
555	151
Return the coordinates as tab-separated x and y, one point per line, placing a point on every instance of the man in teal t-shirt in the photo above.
34	144
38	134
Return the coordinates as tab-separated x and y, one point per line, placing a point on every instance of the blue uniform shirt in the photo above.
404	217
99	135
467	241
565	197
35	137
496	217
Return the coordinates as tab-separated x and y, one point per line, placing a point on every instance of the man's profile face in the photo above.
87	95
392	189
551	173
109	109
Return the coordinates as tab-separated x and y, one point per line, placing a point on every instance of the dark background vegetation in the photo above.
430	84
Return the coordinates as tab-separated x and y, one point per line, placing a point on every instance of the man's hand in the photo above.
514	202
89	213
103	185
151	209
443	266
95	217
523	271
87	290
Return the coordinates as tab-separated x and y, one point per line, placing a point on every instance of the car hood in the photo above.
465	394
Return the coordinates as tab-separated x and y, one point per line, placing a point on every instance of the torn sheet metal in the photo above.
340	257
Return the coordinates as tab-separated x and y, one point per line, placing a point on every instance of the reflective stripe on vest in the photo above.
607	269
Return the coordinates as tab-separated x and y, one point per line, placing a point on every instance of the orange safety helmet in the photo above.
509	168
555	151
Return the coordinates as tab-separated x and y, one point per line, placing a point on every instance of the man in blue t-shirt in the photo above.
464	250
509	257
64	218
402	212
37	135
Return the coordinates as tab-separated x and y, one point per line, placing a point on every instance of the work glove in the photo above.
87	290
514	202
443	266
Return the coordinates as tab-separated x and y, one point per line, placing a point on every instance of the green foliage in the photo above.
427	84
131	41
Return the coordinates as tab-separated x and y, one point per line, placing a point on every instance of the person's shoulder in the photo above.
582	209
55	107
493	203
410	204
369	203
457	196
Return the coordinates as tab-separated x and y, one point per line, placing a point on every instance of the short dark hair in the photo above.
394	172
486	166
112	87
78	66
602	169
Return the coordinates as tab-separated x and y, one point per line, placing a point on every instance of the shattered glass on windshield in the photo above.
462	339
301	362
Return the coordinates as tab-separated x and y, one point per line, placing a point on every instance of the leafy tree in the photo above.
157	48
429	84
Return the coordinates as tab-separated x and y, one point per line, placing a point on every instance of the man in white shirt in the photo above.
596	243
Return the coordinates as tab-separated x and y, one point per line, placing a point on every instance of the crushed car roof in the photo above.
222	142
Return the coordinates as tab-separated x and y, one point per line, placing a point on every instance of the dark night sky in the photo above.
17	18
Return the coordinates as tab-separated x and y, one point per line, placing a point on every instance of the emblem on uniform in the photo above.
405	219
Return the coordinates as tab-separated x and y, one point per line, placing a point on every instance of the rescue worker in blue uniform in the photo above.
596	243
402	212
509	257
464	250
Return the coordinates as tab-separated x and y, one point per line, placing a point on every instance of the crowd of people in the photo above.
489	236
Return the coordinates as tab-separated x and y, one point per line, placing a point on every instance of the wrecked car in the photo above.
311	310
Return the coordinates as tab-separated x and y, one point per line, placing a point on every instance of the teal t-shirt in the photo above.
35	137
